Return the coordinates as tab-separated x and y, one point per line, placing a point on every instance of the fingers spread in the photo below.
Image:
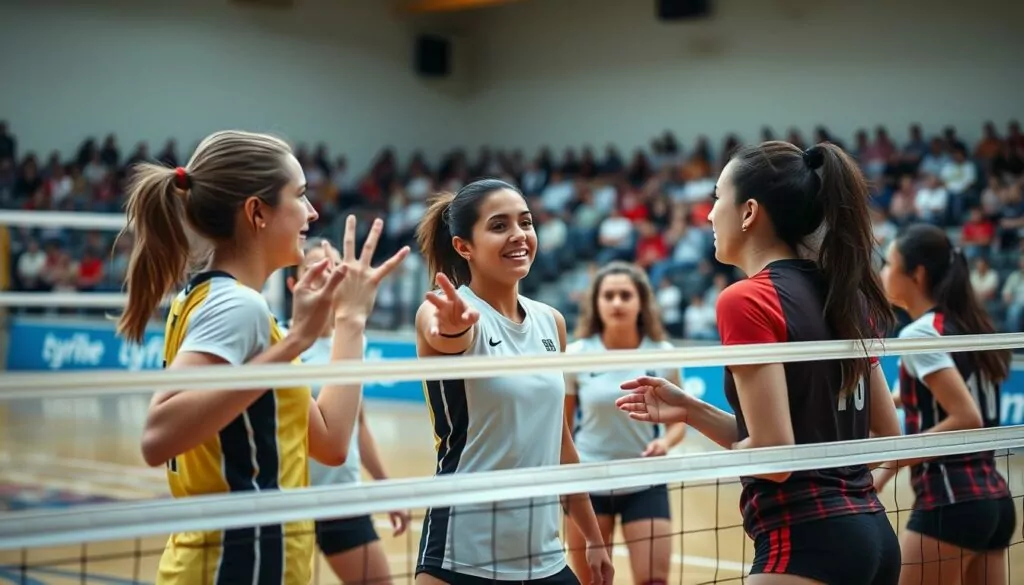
348	241
313	272
370	245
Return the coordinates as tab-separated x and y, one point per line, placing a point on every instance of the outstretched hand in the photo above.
313	298
453	315
357	293
654	400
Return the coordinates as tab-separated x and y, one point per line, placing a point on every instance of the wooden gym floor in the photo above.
59	453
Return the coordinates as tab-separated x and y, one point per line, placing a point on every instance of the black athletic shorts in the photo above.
644	505
563	577
979	525
340	535
856	549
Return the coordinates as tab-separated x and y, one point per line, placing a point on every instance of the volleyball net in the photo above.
477	522
704	540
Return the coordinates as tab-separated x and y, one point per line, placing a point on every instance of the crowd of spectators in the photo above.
650	208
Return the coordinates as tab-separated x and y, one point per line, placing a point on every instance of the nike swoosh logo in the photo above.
493	343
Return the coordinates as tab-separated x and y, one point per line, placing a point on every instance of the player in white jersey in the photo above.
620	313
480	243
351	545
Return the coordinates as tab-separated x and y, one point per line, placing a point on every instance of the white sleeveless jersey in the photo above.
489	424
601	431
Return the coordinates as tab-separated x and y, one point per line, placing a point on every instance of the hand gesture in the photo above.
602	572
358	291
399	521
453	315
654	400
656	448
313	299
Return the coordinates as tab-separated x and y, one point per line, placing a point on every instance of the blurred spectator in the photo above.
977	235
701	321
8	144
1013	297
931	201
984	280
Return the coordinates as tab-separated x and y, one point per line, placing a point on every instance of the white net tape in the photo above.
73	384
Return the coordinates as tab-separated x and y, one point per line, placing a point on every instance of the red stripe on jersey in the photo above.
750	311
786	547
773	550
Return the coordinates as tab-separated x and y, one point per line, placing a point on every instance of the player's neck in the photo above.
621	338
248	270
919	306
757	257
501	298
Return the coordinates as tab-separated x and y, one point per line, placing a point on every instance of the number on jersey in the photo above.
857	397
983	391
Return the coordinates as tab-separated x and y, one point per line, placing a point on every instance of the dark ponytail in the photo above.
821	194
845	256
435	240
453	216
948	283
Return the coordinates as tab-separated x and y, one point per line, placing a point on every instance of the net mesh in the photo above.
704	541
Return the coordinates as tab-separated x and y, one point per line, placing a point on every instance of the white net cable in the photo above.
71	384
123	521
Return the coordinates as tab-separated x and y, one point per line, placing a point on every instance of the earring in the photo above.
263	225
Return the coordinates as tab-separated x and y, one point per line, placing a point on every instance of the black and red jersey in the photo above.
783	303
954	478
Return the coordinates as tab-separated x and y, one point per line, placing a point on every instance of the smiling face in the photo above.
503	243
281	229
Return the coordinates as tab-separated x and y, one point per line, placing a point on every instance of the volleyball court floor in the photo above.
56	454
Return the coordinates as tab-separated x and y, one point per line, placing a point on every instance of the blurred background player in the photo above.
773	203
963	516
619	312
481	240
244	194
351	545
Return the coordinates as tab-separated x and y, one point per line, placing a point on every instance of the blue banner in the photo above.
51	345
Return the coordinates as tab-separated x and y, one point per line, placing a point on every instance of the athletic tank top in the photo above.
263	448
489	424
601	431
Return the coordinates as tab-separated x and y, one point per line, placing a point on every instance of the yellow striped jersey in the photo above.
264	448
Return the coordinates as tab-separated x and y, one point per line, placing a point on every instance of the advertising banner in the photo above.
38	344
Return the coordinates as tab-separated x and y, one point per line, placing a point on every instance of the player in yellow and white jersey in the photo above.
243	194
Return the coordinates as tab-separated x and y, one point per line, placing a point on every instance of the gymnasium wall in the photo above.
574	72
333	70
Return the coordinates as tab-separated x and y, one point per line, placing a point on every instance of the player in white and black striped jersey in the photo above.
480	242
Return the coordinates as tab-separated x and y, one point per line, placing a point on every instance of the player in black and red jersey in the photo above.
772	203
963	516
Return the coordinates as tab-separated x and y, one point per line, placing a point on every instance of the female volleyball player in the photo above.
824	526
482	241
351	545
620	313
963	516
244	195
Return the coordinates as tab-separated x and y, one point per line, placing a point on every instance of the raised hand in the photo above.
453	315
313	299
357	293
654	400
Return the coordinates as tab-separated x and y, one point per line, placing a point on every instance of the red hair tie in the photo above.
181	178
